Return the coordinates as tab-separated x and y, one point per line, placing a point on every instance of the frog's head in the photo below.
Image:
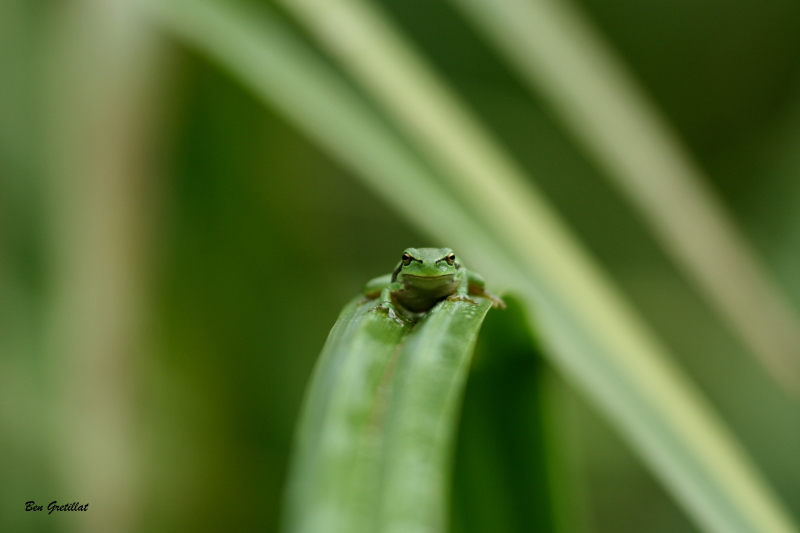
427	264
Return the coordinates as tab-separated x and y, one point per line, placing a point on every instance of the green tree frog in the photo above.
424	277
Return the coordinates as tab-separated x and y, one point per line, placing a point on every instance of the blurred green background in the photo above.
173	254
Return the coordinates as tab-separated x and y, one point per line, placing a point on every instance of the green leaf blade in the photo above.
422	416
334	463
376	433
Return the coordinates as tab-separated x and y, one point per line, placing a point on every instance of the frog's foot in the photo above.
391	312
461	298
497	303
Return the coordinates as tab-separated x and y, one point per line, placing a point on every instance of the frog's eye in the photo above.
451	258
407	259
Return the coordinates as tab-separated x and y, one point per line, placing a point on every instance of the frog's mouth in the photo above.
429	282
443	276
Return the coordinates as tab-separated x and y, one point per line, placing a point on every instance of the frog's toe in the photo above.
390	311
460	298
497	303
382	308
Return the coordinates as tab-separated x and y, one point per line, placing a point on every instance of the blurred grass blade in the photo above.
376	430
263	53
560	55
100	106
589	331
475	166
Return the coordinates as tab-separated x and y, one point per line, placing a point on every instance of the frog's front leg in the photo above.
477	287
386	305
462	292
372	289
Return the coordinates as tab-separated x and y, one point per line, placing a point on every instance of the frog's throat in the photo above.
419	293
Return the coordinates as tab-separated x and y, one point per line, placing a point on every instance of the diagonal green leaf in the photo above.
589	331
558	53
